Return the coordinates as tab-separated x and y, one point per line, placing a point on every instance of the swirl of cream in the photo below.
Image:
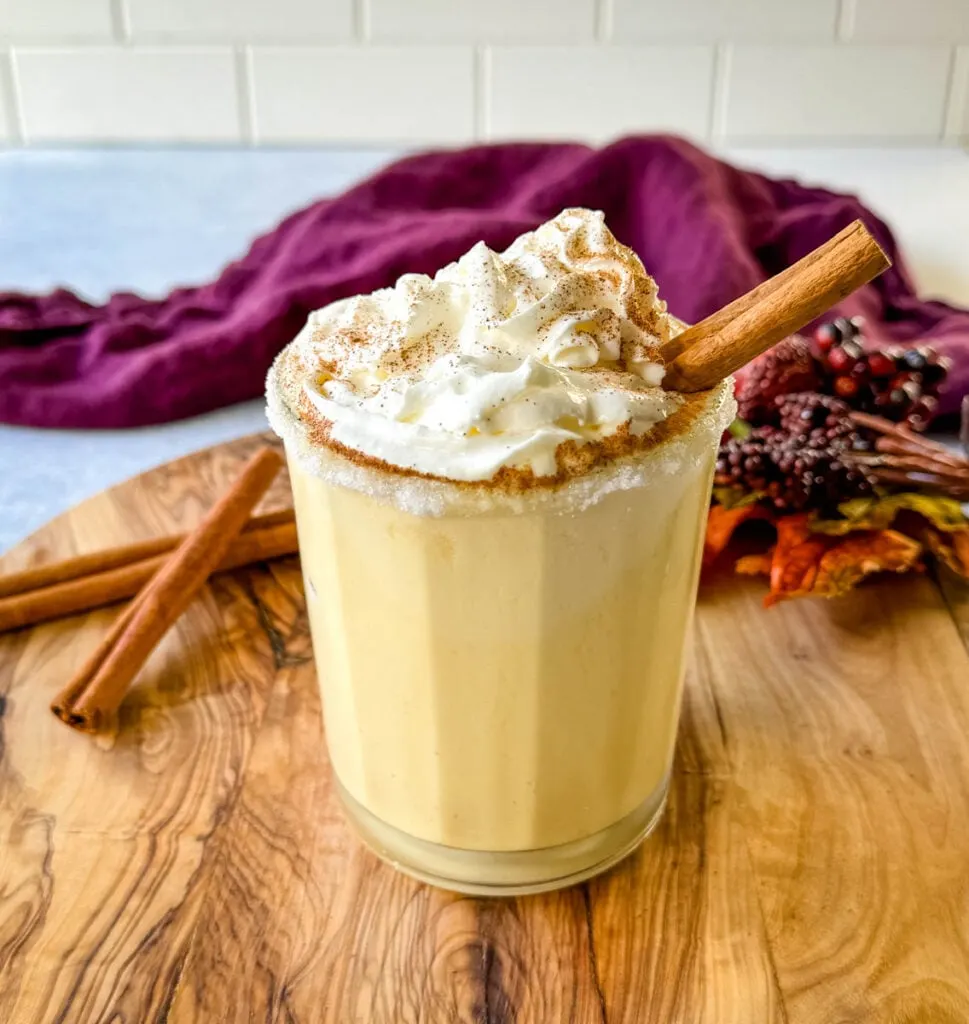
496	360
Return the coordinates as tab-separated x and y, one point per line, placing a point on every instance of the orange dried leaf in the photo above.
796	558
722	522
806	563
755	565
861	554
952	549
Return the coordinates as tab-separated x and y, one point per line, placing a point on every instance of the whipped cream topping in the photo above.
499	360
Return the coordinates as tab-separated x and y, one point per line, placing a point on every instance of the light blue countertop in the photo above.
99	221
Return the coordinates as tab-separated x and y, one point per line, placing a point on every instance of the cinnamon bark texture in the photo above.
716	347
98	689
92	581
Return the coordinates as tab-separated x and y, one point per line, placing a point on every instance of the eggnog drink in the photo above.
500	514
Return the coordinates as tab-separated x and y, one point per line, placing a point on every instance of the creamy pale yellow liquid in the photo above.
502	682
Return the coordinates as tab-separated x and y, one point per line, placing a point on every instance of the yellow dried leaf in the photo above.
879	513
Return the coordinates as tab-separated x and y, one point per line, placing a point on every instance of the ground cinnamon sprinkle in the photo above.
572	458
571	271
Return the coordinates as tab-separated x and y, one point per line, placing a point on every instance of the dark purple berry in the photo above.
935	372
914	360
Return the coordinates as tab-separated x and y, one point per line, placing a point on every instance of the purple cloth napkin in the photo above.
705	230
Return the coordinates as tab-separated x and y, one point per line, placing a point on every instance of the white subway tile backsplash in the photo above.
911	21
425	71
55	19
712	20
360	94
599	92
241	19
483	20
836	92
104	94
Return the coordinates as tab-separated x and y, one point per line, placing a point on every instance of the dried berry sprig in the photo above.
905	458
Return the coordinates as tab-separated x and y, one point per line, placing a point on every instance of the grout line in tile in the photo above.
120	21
362	19
213	40
482	92
845	27
955	126
722	62
13	107
604	20
241	60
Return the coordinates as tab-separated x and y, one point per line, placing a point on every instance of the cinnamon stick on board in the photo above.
100	686
79	566
96	589
707	353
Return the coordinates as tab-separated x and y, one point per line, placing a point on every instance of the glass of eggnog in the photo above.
500	513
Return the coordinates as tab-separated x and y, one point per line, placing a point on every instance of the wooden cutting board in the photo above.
193	865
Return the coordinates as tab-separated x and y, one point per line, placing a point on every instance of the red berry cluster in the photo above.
898	383
802	450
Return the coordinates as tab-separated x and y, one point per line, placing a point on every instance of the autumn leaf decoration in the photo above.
912	514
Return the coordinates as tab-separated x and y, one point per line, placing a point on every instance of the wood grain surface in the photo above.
193	865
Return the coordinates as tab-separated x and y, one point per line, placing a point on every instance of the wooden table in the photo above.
193	865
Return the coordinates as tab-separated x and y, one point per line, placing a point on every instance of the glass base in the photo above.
506	872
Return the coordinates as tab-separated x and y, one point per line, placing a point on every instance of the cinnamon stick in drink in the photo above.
102	683
708	352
